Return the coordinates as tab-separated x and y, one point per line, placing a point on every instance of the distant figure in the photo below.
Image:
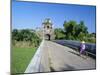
82	47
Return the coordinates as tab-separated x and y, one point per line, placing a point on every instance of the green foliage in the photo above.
81	28
25	36
81	36
69	27
74	31
59	33
91	38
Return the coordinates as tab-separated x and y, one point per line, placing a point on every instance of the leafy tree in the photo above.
25	35
69	28
81	36
14	34
81	29
59	33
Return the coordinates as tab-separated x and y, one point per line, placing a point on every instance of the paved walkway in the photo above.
55	57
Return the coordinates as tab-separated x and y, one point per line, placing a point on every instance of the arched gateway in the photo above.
47	36
47	29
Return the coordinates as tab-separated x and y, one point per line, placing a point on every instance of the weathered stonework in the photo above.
48	32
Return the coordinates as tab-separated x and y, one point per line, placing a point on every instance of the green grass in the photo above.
20	58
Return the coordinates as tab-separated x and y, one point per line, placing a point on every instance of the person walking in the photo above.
82	47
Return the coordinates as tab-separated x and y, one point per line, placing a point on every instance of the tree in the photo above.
25	35
75	31
59	33
81	36
14	34
69	28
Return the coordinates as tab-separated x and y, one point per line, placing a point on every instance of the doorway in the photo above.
47	37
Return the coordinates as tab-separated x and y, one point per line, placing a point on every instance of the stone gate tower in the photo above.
48	32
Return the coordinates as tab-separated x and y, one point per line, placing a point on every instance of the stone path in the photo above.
55	57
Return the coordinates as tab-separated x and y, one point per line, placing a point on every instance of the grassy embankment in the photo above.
21	58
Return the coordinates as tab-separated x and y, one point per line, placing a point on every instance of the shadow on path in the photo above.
74	53
66	67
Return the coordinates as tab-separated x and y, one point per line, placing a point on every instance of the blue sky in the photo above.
32	14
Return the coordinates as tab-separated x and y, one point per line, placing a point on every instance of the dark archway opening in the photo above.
47	37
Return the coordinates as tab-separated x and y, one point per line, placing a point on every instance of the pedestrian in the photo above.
82	47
